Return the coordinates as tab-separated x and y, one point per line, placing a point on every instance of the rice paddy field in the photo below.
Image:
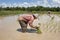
11	30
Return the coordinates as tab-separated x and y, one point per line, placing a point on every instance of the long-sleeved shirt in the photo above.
28	18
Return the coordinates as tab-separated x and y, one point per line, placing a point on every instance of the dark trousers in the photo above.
23	25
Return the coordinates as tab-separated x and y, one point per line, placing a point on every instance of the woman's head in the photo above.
49	12
35	16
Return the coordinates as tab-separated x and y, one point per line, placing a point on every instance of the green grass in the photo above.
6	13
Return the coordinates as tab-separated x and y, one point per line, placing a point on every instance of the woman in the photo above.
27	19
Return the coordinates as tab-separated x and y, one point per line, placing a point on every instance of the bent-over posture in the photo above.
27	19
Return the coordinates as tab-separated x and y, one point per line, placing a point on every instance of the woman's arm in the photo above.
30	24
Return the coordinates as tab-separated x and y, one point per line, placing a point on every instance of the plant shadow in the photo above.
28	30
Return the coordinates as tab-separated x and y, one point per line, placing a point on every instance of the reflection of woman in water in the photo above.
27	19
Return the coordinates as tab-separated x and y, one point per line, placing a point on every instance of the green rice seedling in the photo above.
39	31
52	18
50	24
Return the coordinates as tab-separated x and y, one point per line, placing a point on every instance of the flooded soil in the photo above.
10	29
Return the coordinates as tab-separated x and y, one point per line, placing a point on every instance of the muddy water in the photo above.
10	29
